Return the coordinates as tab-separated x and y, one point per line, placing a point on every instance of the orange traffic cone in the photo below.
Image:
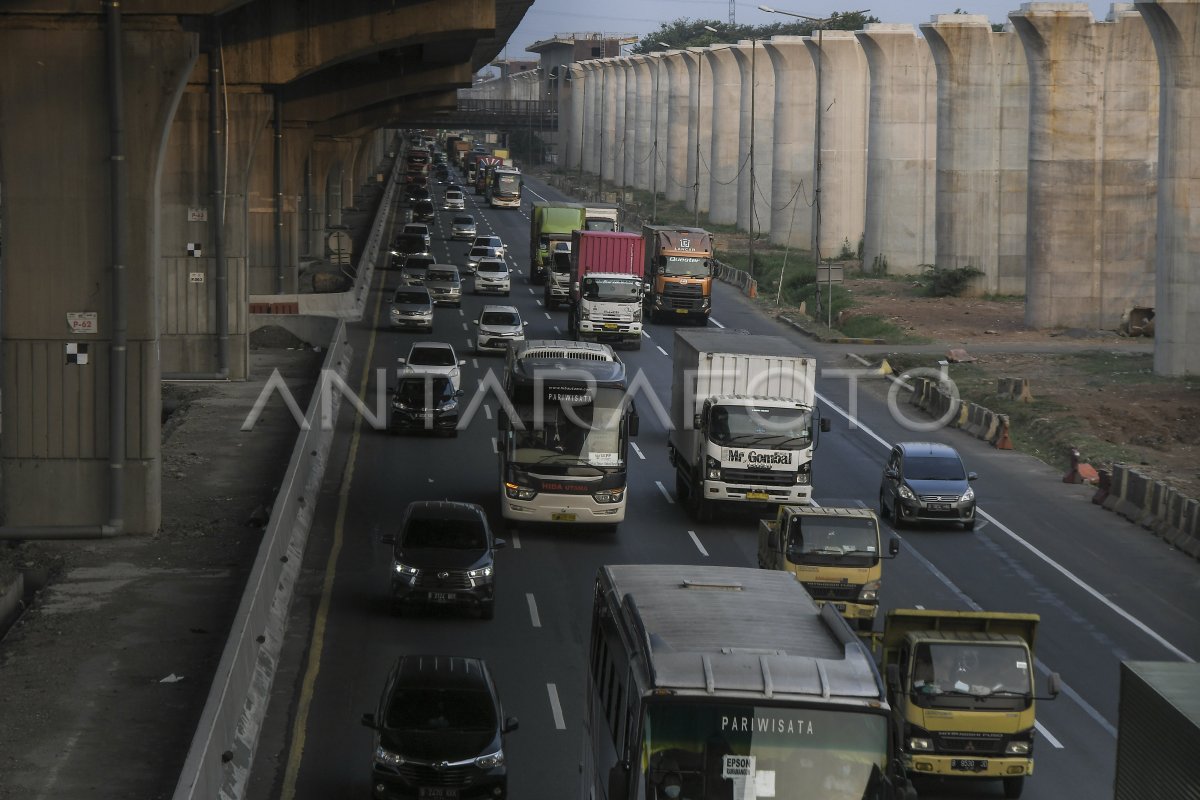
1002	441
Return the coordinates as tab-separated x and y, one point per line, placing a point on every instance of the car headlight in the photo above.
404	569
387	757
395	312
517	492
712	468
1017	749
804	474
609	495
482	572
491	761
905	493
968	495
869	592
454	373
917	743
448	405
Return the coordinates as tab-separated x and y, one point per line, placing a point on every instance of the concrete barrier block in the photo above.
1189	542
1134	498
1170	521
1002	441
991	426
1155	491
1116	490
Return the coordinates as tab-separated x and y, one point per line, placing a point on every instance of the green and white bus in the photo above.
728	683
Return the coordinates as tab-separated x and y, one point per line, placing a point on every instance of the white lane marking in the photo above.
637	450
665	493
539	302
465	327
470	344
533	613
646	335
547	313
535	194
1143	627
556	707
531	290
462	313
516	540
714	322
699	546
495	445
487	411
664	352
557	330
475	363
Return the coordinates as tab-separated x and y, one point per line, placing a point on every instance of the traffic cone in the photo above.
1002	441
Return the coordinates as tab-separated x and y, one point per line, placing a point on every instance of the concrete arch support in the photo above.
629	129
901	149
611	112
843	92
700	94
644	127
673	144
1093	92
792	141
660	121
982	149
1175	29
591	110
755	128
570	116
724	160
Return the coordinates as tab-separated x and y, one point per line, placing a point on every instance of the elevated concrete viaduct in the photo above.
1056	156
159	161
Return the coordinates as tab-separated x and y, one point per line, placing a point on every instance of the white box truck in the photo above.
744	421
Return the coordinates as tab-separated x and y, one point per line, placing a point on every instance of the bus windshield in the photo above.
587	435
734	751
508	184
686	265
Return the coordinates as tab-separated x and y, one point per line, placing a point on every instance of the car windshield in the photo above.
419	230
431	357
481	252
441	275
493	266
449	534
464	221
502	318
409	296
425	709
423	393
409	242
418	263
933	468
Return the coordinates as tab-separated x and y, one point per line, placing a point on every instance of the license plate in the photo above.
562	517
757	496
681	311
611	326
939	506
437	791
969	764
442	597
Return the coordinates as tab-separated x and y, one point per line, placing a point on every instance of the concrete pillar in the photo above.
644	132
187	306
1175	28
660	120
1093	152
570	117
792	141
675	183
629	131
591	114
700	95
982	149
724	159
615	113
901	149
58	261
844	92
758	116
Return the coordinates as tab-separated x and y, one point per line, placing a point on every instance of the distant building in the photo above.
513	66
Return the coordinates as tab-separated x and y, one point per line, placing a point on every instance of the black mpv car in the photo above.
444	554
425	403
926	482
439	731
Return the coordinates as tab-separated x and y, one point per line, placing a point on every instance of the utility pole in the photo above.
753	91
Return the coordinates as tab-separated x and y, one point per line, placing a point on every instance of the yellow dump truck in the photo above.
961	688
834	552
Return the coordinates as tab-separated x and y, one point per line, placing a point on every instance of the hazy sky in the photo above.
545	18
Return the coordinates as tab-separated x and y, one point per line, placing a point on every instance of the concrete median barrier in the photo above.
1116	490
1134	496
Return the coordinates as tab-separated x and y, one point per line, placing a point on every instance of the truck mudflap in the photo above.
966	766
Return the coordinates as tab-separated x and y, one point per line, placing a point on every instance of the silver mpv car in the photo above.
445	287
497	328
411	307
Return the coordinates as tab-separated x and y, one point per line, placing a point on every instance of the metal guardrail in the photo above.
220	757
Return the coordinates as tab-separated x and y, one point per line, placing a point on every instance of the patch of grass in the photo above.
1119	367
872	327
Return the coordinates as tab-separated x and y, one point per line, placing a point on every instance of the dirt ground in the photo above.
1093	390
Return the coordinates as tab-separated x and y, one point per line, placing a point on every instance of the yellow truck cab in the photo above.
961	688
834	552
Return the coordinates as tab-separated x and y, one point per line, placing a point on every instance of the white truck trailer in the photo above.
744	420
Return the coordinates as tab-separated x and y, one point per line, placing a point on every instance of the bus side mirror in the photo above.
618	781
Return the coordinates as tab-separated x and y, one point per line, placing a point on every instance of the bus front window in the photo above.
722	751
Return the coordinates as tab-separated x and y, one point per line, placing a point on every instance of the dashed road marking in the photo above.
547	313
533	612
636	449
664	352
516	540
665	493
495	445
556	707
699	546
714	322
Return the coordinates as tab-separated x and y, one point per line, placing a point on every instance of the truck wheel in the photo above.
865	624
701	507
1013	787
681	487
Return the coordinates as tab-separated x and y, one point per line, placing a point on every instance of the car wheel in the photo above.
970	524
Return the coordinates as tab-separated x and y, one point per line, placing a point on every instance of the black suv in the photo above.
444	554
425	403
423	210
926	482
439	731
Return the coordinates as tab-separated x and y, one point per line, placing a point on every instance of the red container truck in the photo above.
606	287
